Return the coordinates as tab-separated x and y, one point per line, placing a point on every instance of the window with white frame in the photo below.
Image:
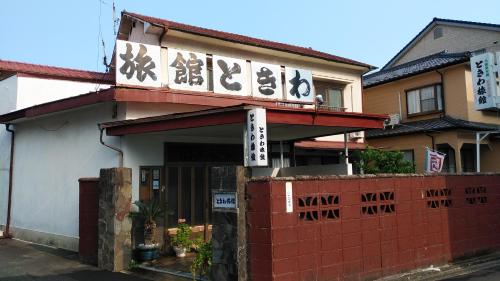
332	94
425	99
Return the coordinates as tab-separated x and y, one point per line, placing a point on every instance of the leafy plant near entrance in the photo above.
376	161
149	212
181	241
203	260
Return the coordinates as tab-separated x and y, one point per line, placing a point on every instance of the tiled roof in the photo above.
414	67
431	125
245	39
56	72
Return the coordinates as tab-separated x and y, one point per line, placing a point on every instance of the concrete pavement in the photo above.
21	261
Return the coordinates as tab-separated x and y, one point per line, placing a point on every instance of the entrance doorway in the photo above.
187	195
188	179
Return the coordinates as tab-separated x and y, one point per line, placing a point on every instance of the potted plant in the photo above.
148	212
181	241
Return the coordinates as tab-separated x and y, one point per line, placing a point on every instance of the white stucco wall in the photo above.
8	89
33	91
4	172
51	154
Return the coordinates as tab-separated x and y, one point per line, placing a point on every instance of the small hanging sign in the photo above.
224	201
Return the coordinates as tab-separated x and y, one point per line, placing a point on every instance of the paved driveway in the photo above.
490	274
20	261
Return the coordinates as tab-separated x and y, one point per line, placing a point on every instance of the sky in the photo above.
69	33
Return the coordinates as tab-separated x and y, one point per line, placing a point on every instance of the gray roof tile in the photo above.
414	67
431	125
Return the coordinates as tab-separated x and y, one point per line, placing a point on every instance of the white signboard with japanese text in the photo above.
266	81
289	197
224	201
256	138
187	70
230	75
483	81
138	64
299	85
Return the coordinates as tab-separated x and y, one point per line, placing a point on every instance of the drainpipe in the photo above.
120	152
11	166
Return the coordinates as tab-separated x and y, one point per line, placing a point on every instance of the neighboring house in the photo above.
24	85
427	88
171	121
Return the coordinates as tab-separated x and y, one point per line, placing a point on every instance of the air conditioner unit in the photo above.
394	119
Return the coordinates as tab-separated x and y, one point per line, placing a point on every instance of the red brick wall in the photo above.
89	207
363	228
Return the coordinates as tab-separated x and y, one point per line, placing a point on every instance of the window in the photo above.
408	155
332	95
438	32
423	100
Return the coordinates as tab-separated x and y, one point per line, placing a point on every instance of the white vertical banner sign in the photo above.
266	81
289	197
138	64
256	137
483	80
434	161
187	70
299	85
230	76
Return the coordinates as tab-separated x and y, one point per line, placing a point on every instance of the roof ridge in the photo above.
244	39
467	22
48	66
434	21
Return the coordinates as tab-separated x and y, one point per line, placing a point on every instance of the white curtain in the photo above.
413	102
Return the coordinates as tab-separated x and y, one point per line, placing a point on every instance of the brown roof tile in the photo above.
245	39
56	72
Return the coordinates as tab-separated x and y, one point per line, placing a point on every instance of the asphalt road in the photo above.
20	261
491	274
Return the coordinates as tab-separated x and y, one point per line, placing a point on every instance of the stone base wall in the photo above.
229	228
114	225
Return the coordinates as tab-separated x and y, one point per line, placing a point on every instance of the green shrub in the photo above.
203	260
376	161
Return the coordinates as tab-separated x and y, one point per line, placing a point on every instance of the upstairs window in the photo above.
424	100
332	95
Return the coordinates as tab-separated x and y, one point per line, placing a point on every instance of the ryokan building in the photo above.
177	100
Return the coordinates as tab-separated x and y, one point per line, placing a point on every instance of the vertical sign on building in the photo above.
266	81
289	197
299	85
256	137
230	76
137	64
483	81
187	70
